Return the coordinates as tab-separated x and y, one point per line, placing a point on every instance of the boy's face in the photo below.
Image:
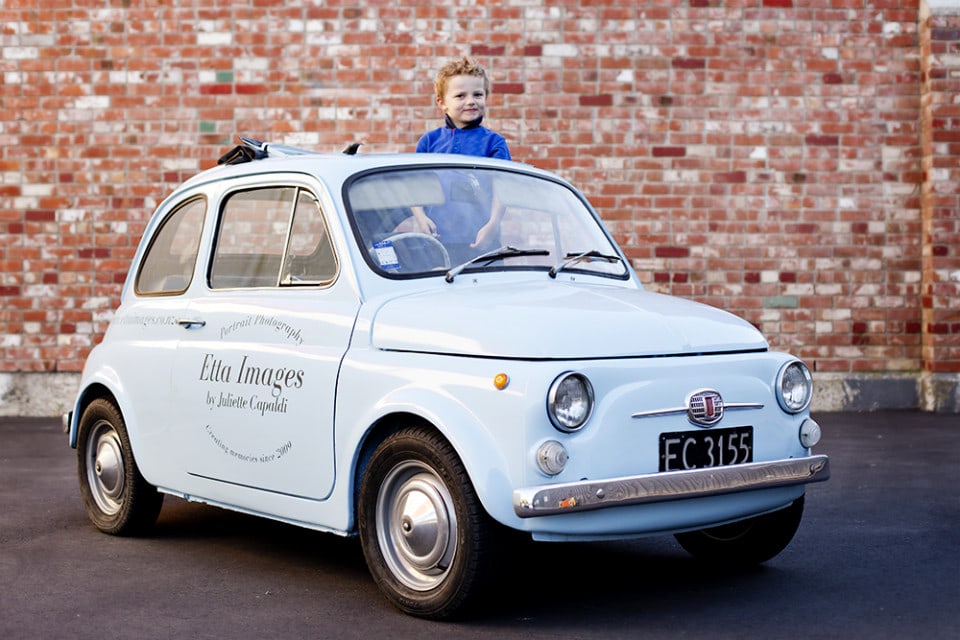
464	100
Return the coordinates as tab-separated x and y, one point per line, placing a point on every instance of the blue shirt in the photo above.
471	141
468	197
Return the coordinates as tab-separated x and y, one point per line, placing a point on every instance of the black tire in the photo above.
117	498
426	538
747	542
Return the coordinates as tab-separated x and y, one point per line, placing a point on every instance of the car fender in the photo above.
107	378
478	448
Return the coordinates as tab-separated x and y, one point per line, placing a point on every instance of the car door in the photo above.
139	350
257	371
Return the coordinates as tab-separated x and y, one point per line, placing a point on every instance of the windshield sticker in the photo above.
386	255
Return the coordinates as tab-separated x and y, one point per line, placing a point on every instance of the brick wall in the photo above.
940	118
765	156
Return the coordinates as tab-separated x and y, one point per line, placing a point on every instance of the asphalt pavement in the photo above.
877	556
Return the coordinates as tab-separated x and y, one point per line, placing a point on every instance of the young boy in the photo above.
461	88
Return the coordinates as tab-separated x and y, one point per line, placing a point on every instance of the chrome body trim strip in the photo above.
658	412
676	410
587	495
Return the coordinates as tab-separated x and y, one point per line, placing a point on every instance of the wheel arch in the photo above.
93	391
374	436
466	438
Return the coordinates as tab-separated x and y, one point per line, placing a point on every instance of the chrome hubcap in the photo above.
416	526
105	473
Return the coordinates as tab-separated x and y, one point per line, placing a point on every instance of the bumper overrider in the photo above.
588	495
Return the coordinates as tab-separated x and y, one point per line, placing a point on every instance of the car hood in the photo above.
557	320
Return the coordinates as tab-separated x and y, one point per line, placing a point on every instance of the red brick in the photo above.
669	152
730	176
508	87
822	140
215	89
604	100
689	63
672	252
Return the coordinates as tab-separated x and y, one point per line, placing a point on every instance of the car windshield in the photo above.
421	222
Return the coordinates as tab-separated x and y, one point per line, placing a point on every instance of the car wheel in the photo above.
746	542
423	531
117	499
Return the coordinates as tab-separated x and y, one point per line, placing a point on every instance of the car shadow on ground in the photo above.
215	530
545	584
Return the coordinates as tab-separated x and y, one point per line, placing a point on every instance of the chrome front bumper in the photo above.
586	495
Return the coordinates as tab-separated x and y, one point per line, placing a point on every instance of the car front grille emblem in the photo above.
704	407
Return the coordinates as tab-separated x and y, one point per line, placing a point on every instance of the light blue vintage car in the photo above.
429	352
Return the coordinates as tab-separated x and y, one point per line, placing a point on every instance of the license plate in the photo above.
683	450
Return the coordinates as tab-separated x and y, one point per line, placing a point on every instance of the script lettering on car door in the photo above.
275	379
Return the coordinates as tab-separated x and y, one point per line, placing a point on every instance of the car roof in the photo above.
333	167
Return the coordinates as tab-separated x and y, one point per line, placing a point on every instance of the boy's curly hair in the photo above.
461	67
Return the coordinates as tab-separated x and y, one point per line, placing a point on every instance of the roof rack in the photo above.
252	149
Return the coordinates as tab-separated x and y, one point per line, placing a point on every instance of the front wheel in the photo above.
116	497
423	531
746	542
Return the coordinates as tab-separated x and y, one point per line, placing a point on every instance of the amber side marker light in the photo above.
501	380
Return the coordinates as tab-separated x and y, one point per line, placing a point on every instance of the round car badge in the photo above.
704	407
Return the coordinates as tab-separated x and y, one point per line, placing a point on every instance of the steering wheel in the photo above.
407	236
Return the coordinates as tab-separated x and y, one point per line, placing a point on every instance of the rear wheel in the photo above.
746	542
423	531
117	499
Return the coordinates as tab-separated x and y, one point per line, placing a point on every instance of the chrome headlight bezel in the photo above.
570	401
794	387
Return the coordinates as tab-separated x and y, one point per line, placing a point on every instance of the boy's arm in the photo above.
423	223
491	227
499	148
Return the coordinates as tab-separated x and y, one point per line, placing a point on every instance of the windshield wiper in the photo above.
573	258
505	251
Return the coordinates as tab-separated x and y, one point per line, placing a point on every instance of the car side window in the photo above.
167	266
271	237
310	258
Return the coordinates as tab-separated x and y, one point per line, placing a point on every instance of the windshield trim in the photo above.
625	275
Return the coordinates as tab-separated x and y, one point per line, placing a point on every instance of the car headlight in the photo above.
570	401
794	387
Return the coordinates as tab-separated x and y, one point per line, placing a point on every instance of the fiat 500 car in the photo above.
434	353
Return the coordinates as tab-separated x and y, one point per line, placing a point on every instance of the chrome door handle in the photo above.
186	323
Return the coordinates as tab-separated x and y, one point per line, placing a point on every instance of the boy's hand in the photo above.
486	234
423	223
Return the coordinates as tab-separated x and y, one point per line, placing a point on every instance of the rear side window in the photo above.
272	237
168	264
